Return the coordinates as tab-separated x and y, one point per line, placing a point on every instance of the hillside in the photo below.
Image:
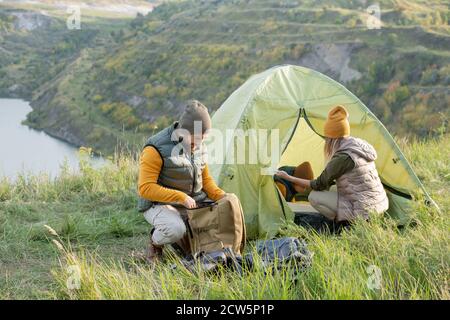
95	217
115	82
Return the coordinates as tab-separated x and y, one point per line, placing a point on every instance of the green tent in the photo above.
295	101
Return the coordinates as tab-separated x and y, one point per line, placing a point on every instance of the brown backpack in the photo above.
217	226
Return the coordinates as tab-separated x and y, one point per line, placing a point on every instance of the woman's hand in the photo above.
303	183
282	174
189	203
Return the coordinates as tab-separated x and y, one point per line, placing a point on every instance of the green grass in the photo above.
93	214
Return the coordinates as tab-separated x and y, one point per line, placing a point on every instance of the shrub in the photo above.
430	76
97	98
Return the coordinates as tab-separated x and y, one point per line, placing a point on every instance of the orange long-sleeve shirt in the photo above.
148	187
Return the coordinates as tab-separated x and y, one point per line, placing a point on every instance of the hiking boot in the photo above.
154	252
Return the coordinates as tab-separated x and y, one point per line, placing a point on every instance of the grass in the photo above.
95	227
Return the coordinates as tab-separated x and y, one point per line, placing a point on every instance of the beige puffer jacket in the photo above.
360	191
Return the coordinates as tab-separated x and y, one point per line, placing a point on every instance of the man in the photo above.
173	176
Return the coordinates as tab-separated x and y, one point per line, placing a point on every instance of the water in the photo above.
26	150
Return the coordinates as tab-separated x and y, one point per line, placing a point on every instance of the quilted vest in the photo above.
180	171
360	191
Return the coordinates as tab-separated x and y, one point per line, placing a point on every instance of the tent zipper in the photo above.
294	130
397	192
310	124
285	147
280	201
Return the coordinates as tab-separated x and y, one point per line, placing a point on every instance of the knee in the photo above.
175	231
312	198
180	230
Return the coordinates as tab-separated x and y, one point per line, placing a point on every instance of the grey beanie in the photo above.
195	111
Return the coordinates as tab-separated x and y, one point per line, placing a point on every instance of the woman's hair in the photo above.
331	145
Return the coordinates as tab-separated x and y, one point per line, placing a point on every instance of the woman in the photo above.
350	163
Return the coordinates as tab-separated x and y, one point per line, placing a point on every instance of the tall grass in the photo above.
116	177
96	228
413	264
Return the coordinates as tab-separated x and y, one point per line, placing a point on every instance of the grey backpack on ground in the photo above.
211	261
273	255
280	253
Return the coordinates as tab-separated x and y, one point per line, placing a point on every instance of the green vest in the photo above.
180	171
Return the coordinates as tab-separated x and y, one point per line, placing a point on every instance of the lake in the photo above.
26	150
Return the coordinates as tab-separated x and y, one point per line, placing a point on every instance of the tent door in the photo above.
280	199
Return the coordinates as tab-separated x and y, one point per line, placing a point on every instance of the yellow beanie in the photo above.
337	125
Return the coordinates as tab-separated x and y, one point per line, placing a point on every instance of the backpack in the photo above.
274	255
216	226
215	235
212	261
279	253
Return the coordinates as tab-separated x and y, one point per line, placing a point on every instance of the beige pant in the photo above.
326	202
168	224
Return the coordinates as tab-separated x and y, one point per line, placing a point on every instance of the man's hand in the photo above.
189	203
